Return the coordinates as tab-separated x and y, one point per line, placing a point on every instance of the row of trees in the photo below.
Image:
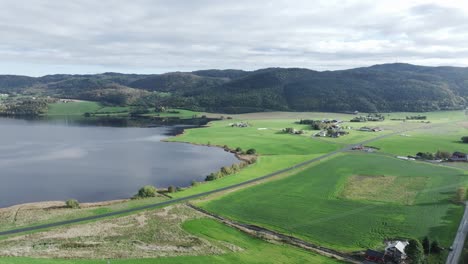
439	155
228	170
417	251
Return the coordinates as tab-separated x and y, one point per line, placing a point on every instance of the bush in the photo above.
464	139
251	151
194	183
435	247
147	191
443	155
238	150
72	203
226	170
171	189
235	168
253	160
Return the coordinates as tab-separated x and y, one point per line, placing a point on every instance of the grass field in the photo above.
79	108
310	204
193	239
263	135
73	108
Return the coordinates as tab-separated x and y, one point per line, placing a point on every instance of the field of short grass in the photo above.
445	138
263	135
73	108
175	234
79	108
310	204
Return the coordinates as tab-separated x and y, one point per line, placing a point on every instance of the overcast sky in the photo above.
39	37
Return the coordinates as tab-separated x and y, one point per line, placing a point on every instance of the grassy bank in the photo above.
143	237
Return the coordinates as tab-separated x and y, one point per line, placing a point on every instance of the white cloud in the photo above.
52	36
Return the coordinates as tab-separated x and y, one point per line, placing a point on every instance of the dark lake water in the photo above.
58	160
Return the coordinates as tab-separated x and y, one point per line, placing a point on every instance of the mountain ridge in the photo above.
377	88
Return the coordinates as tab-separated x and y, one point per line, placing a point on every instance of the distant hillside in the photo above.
379	88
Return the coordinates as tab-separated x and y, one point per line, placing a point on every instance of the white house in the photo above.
396	249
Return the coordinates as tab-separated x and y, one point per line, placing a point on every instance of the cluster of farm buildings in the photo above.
394	253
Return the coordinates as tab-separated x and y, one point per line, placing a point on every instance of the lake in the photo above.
44	160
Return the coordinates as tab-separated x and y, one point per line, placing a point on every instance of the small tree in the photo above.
235	168
464	139
443	155
435	247
226	170
426	245
171	189
251	151
147	191
72	203
415	251
210	177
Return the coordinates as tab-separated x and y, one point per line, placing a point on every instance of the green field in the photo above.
311	204
263	135
79	108
73	108
444	138
238	248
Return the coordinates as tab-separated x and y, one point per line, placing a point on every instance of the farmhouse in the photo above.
322	133
240	124
396	250
459	156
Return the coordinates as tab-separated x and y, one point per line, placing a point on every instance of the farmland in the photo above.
143	237
347	202
79	108
311	204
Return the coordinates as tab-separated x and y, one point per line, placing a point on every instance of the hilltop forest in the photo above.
379	88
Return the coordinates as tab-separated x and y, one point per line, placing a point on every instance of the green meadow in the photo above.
73	108
79	108
316	204
238	247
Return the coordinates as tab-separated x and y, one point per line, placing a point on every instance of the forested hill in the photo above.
387	87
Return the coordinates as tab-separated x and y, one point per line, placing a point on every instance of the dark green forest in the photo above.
379	88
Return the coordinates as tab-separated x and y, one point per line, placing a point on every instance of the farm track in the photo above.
199	195
270	235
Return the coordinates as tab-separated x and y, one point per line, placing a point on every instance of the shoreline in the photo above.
58	205
50	205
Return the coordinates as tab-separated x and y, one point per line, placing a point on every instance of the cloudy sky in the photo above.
152	36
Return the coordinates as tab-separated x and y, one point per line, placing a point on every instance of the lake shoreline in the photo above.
175	131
